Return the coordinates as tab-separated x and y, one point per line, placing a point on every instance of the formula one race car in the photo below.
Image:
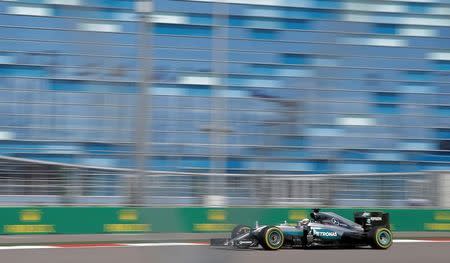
324	229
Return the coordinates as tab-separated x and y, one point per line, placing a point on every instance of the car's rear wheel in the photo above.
271	238
381	238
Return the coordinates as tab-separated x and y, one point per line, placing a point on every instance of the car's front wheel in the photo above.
271	238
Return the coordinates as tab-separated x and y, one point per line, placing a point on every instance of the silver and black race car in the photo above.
322	229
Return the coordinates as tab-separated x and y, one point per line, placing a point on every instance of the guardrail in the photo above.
25	182
101	220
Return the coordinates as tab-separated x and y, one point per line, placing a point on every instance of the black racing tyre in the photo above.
381	238
239	230
271	238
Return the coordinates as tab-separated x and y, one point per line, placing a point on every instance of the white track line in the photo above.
421	241
163	244
169	244
24	247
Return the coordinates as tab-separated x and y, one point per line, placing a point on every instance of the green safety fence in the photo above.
98	220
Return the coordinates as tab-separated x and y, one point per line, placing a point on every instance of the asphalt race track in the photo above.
400	252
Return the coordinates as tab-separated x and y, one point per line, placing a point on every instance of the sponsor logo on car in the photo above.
326	234
376	218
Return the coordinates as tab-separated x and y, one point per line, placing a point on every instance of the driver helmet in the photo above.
305	222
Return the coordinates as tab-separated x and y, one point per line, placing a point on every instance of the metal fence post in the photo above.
218	127
143	117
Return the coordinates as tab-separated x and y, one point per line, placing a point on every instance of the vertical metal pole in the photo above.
143	107
219	105
218	113
218	116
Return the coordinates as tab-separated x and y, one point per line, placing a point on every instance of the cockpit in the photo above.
330	218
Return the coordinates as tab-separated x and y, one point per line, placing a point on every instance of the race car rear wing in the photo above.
369	220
